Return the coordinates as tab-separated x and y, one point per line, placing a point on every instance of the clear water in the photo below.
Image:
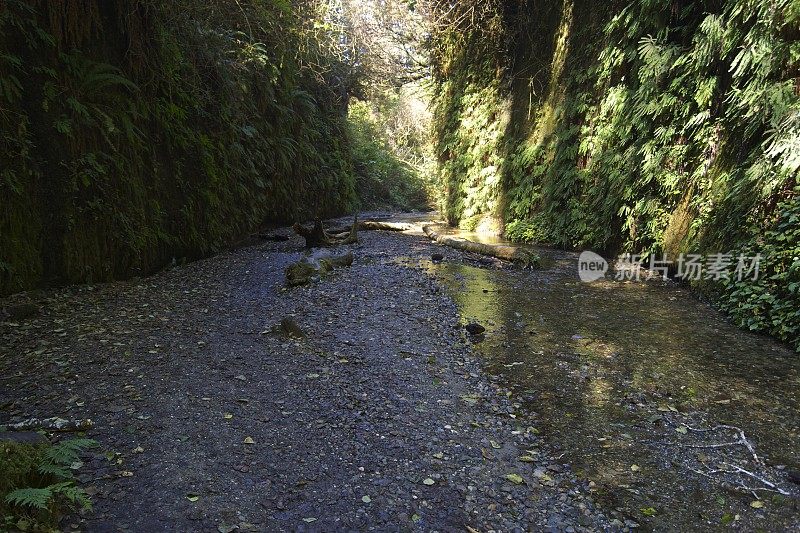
615	368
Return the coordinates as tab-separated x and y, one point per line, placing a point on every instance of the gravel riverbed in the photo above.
380	419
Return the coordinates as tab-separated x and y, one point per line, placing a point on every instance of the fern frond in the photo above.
57	471
65	453
75	496
36	498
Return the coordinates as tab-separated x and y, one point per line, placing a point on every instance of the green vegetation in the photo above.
645	127
389	158
132	133
37	484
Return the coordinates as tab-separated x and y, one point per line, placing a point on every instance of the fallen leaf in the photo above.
495	445
249	440
515	478
682	430
757	504
309	520
227	416
648	511
635	468
428	481
527	459
366	499
192	497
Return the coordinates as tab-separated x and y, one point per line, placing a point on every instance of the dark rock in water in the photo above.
475	329
437	258
274	238
291	329
23	437
19	311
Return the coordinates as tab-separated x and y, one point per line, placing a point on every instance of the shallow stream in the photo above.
629	381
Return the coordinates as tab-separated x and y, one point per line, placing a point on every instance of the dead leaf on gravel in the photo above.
515	479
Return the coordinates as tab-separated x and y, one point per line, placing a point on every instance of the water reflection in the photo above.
599	359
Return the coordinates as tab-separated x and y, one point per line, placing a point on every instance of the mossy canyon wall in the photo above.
135	132
641	126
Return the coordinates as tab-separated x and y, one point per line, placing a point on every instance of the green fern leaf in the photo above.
37	498
57	471
65	453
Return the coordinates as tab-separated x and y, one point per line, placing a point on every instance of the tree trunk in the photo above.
317	237
515	254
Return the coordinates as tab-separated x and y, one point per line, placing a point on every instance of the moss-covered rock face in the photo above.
637	126
133	133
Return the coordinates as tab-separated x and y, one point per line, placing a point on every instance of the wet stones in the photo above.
473	328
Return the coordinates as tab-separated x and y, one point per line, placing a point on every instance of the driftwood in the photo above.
506	252
375	225
315	268
317	236
50	424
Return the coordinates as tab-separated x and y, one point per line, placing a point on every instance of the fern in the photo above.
42	499
66	453
51	479
36	498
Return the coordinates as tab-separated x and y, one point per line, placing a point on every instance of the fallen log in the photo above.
50	424
317	236
315	268
506	252
375	225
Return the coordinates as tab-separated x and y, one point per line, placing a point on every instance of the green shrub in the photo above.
37	484
650	128
383	178
132	133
